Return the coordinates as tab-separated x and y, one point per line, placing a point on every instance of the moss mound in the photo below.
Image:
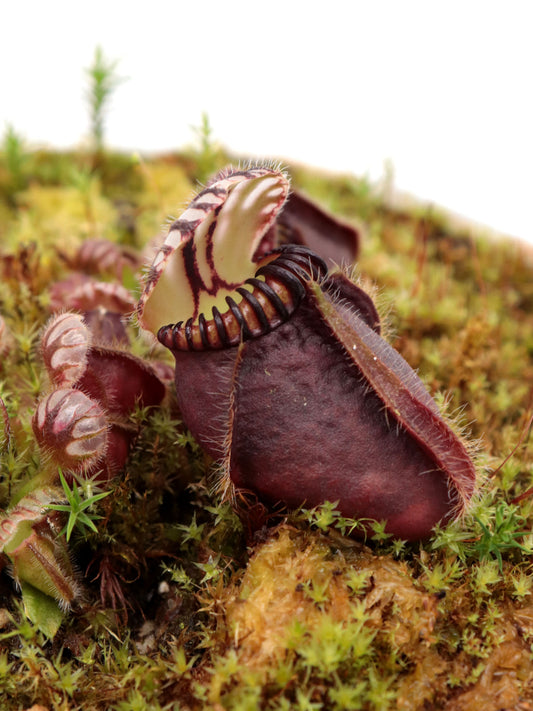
189	603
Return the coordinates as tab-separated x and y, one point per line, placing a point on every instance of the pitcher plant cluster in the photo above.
281	375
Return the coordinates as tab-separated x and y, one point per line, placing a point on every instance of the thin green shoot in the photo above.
103	81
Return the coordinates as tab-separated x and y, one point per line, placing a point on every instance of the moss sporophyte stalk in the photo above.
224	484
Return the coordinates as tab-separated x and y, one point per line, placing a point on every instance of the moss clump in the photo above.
188	605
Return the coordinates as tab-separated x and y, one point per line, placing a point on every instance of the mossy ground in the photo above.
188	605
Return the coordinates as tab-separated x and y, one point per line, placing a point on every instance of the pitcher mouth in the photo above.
214	247
263	303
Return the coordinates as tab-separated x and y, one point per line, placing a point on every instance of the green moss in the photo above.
188	606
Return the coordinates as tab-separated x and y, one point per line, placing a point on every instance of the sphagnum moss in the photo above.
187	607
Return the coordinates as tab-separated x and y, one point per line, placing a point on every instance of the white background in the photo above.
441	90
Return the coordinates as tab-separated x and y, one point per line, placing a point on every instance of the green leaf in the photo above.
42	610
76	507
